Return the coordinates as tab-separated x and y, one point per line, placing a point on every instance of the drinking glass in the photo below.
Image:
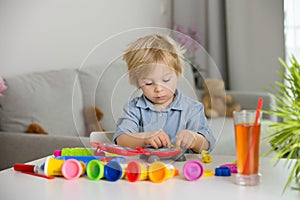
247	141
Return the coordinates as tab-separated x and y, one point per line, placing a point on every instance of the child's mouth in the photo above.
160	97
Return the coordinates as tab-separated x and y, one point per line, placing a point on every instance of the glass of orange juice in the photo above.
247	141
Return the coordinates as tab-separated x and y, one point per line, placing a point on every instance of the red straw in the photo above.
259	107
255	135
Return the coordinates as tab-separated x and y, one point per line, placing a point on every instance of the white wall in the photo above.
38	35
255	41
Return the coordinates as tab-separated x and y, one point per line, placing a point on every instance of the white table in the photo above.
15	185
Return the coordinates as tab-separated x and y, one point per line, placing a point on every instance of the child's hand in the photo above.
186	139
158	139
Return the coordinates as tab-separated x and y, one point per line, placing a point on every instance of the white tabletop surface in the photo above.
15	185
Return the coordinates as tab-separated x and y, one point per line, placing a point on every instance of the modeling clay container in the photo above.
70	169
159	172
136	171
232	167
53	166
95	170
193	170
73	169
222	171
114	171
74	152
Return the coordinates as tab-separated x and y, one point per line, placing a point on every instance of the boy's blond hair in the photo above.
153	49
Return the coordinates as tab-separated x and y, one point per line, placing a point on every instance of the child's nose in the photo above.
158	87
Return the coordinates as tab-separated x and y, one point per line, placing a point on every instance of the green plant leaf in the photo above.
285	134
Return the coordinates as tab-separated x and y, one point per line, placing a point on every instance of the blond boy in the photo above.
162	115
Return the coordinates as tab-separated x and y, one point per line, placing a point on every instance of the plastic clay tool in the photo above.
33	170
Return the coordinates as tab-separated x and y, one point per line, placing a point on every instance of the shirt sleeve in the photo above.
197	122
129	121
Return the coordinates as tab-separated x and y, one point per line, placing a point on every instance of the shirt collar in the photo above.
144	103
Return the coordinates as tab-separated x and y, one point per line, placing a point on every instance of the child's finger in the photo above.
168	143
178	141
163	139
185	142
153	144
157	141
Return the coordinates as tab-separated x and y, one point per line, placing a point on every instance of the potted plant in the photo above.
285	133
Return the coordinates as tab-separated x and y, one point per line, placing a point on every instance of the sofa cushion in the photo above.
105	87
52	99
21	148
108	88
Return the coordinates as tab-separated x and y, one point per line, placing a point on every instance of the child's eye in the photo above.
166	80
148	84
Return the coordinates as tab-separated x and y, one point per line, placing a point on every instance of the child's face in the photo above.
159	85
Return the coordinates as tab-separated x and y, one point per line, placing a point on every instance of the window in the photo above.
292	28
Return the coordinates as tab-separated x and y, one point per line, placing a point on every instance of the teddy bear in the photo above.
215	101
36	129
92	115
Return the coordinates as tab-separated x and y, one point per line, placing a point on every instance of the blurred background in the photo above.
243	38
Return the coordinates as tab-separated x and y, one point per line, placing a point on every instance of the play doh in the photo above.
232	167
159	172
193	170
72	169
53	167
114	171
87	159
136	171
95	170
208	173
74	152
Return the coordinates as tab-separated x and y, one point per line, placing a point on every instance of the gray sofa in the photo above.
55	99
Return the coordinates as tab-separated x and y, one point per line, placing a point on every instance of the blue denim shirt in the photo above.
140	115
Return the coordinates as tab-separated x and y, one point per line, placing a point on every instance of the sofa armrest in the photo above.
223	129
22	147
248	100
